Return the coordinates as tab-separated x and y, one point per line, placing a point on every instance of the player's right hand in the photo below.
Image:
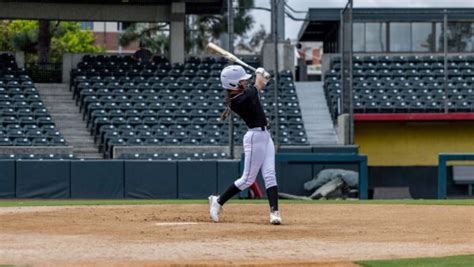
264	73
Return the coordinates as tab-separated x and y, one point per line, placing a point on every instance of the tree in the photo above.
205	28
255	42
150	35
210	27
459	37
46	41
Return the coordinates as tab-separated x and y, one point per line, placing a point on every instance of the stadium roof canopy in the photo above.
322	24
105	10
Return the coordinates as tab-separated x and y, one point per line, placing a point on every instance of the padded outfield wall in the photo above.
160	179
405	153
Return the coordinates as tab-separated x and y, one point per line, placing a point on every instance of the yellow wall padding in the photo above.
412	143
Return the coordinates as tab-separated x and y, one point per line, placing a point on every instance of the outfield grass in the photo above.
451	261
69	202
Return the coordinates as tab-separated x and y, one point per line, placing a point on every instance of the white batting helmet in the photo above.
232	75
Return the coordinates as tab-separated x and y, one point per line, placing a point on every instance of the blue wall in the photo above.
118	179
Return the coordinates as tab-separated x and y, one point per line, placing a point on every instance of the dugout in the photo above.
427	44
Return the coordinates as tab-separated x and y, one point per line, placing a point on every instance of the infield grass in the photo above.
73	202
451	261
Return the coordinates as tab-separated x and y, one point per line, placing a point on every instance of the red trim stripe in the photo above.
465	116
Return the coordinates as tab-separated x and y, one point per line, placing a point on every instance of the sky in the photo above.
292	28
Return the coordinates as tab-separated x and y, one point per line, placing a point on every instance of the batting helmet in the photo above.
232	75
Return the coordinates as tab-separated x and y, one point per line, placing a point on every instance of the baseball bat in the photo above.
217	50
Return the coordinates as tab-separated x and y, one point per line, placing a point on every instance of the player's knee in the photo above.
245	182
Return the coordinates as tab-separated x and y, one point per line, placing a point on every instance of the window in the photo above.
122	26
87	25
412	37
460	37
472	37
358	44
422	37
375	37
400	37
439	37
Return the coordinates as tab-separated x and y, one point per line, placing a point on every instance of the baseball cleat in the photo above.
214	208
275	217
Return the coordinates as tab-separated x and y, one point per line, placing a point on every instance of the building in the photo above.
412	98
393	30
107	35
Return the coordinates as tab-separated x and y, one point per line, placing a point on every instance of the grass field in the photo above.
453	261
69	202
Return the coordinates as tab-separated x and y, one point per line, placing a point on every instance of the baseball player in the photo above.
243	99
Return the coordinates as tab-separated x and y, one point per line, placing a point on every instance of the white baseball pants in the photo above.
259	154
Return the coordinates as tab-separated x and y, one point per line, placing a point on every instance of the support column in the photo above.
281	19
177	51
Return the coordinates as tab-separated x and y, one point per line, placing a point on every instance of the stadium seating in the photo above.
37	156
24	121
405	84
157	103
174	156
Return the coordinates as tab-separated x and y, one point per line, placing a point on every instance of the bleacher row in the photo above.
24	121
136	156
174	156
156	103
37	156
405	84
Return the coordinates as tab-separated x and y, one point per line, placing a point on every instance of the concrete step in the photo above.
64	111
63	106
68	115
56	98
62	91
76	134
81	142
53	85
88	149
70	123
89	156
75	131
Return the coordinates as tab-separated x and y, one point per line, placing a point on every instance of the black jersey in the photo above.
247	105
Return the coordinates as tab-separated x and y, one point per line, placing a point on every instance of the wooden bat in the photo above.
217	50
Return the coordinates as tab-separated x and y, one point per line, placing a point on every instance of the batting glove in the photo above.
264	73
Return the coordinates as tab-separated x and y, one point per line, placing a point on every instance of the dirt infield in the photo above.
151	235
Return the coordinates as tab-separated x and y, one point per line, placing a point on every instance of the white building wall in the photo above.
101	26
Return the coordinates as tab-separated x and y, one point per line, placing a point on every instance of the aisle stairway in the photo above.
315	113
58	100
